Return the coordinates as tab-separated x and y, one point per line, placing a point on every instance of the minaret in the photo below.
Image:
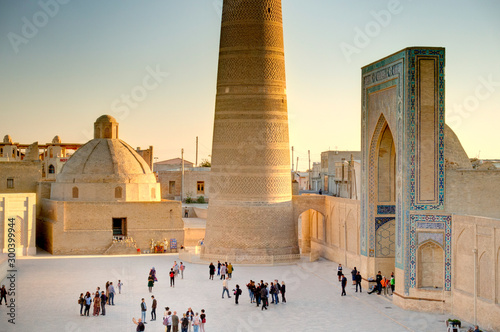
250	211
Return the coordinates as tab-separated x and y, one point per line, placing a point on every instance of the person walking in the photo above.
344	283
181	268
203	318
283	289
175	322
358	282
104	299
354	272
172	277
196	322
81	302
112	293
153	308
139	323
88	301
211	271
143	311
237	293
225	287
97	304
151	283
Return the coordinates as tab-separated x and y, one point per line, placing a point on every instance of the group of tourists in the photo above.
189	321
223	270
260	292
382	283
100	298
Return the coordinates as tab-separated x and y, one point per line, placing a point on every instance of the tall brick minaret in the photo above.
250	210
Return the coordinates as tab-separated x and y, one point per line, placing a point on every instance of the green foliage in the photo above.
205	163
201	200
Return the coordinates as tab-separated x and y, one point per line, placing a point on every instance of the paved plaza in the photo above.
48	289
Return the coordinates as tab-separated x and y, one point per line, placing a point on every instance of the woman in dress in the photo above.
97	304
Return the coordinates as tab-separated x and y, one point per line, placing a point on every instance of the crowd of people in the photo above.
189	321
260	292
382	284
223	270
98	299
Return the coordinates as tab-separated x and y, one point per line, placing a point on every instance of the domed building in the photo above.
106	191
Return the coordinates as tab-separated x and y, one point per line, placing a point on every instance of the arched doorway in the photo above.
311	226
382	199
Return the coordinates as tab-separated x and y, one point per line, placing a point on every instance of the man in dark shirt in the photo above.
140	325
344	283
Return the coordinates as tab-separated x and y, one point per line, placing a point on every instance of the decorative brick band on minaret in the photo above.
250	211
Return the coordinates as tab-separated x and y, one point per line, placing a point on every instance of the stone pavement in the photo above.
48	288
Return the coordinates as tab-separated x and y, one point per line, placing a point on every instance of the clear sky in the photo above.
152	64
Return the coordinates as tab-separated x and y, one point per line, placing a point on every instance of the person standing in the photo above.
203	318
104	298
175	322
3	294
112	293
153	308
97	304
196	323
278	290
237	293
385	285
176	268
143	310
353	274
272	291
120	284
225	288
339	272
182	267
186	212
218	268
172	277
392	282
184	323
139	323
283	289
211	269
167	320
88	301
250	290
257	294
151	283
190	317
263	296
106	289
81	302
230	270
358	282
223	270
344	283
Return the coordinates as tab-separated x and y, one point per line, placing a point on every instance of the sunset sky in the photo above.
153	66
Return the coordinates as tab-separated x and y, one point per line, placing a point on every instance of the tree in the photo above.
205	163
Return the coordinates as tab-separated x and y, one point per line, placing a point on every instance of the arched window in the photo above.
52	169
118	192
75	192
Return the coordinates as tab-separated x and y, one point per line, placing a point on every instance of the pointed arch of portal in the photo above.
382	196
